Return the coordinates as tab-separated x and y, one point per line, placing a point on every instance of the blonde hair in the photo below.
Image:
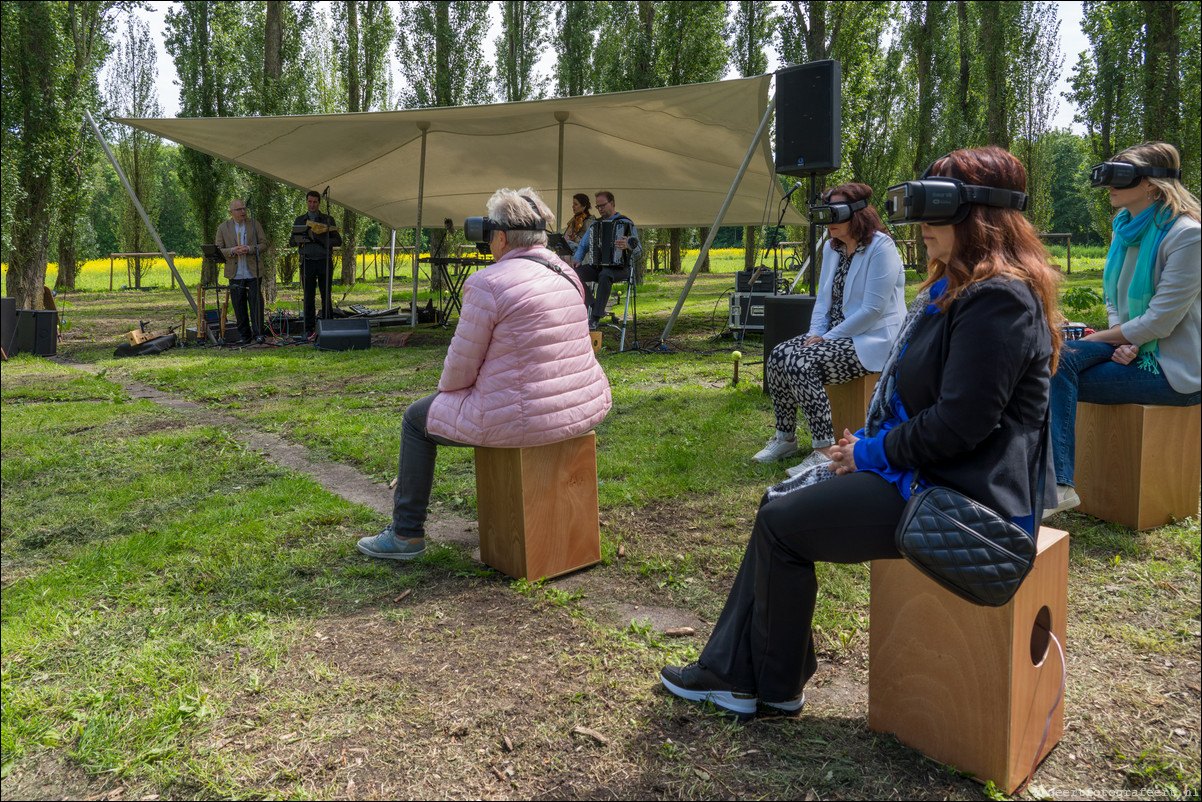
1168	191
509	206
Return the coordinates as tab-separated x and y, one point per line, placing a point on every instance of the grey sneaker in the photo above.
387	546
777	448
695	683
815	459
1066	498
790	707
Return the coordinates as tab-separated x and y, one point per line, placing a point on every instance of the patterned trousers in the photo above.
796	374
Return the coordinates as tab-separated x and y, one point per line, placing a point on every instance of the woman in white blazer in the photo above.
858	312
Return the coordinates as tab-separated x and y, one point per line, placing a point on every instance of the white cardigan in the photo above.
874	300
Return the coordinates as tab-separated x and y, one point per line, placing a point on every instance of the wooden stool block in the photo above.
970	686
849	403
1138	465
538	508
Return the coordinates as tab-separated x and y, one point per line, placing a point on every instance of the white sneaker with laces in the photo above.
815	459
777	448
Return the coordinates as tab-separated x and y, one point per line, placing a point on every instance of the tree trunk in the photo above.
674	250
1162	91
751	248
993	45
702	233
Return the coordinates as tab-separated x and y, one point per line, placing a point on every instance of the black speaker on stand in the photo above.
785	317
809	122
809	118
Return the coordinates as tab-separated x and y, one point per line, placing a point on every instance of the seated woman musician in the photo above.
858	312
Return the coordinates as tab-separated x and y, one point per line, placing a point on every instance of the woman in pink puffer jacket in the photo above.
520	370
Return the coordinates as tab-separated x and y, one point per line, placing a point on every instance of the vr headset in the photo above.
479	229
943	201
824	212
1122	175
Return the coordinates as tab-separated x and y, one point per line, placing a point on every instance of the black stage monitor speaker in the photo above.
351	334
37	331
809	118
785	317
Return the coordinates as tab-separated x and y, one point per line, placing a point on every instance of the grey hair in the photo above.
510	206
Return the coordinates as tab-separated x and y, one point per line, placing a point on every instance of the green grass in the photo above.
166	590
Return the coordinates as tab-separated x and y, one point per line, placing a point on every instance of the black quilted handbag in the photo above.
967	547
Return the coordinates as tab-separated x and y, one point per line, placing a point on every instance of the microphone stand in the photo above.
260	307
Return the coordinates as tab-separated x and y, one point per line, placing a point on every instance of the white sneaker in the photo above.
815	459
1067	499
777	448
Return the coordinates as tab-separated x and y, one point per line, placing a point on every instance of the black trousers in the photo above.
316	274
248	306
605	276
762	642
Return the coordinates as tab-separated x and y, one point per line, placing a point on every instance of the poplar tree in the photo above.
523	37
751	30
132	93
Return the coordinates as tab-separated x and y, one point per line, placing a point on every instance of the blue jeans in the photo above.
1086	373
415	470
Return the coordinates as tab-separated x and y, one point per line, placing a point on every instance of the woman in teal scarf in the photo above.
1152	352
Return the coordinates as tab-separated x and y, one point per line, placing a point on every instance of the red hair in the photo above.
992	241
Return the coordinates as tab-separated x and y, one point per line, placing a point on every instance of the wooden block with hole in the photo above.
538	508
849	403
970	686
1138	465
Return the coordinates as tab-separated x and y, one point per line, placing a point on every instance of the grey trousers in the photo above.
415	470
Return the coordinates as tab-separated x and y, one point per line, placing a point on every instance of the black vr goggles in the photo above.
479	229
1122	175
943	201
825	212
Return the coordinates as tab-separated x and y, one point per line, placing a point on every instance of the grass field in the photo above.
184	617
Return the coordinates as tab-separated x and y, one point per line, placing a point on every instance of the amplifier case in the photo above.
747	311
344	335
764	283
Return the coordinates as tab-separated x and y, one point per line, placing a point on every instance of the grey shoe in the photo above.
815	459
777	448
387	546
1067	499
695	683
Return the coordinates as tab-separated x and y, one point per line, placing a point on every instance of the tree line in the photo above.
920	78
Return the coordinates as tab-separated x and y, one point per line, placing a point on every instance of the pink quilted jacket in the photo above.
520	370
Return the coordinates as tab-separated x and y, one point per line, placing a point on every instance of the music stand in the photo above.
563	250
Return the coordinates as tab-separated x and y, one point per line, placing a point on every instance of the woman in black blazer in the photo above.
962	399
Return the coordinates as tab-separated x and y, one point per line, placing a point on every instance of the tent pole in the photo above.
417	232
562	117
391	267
142	212
705	249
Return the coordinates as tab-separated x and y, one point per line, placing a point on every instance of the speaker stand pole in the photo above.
813	233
